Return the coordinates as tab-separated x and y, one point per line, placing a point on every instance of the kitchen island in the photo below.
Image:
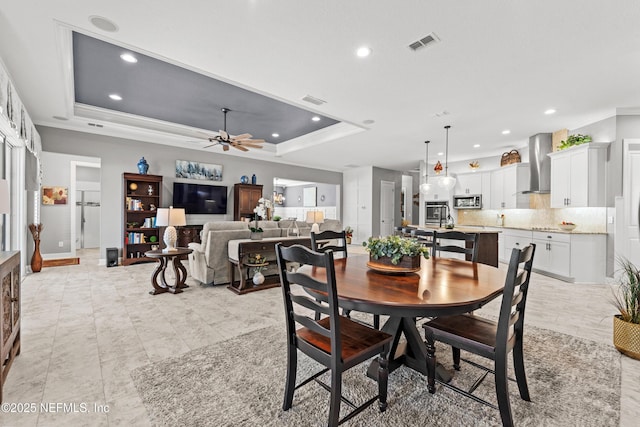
487	242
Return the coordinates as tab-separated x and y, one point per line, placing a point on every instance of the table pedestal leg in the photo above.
159	288
181	274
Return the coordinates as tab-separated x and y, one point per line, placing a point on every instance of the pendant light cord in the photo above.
426	162
446	157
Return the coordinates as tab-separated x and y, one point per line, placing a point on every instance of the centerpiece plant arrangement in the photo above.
396	250
626	325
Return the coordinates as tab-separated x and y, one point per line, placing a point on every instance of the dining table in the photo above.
441	287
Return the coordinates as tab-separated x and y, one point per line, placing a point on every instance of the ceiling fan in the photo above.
241	142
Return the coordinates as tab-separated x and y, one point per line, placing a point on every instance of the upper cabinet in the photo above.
474	183
507	186
578	176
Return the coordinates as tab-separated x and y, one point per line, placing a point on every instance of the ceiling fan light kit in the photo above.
447	182
242	142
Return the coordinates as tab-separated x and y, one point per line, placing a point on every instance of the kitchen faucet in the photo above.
444	208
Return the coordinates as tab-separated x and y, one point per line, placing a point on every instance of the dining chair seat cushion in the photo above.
357	339
466	332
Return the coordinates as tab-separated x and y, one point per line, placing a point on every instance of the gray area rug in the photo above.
240	382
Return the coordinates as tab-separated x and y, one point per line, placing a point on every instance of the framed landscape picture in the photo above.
197	170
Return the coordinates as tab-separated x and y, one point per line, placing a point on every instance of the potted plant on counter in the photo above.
395	254
626	325
348	234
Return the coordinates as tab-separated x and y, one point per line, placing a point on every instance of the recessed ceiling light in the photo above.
275	135
441	154
103	23
476	145
128	57
550	111
115	97
506	132
363	51
315	118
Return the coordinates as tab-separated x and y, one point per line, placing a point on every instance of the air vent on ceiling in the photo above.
314	100
95	125
424	42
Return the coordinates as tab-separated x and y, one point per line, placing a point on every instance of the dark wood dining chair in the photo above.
424	236
335	341
340	248
489	339
335	241
470	239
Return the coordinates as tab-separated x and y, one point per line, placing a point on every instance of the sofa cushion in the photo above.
269	228
331	224
303	228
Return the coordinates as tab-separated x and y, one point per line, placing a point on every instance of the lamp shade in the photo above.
5	199
447	182
315	217
170	216
425	187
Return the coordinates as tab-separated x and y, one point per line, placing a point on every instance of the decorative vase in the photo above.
256	235
626	337
36	258
258	278
254	180
143	166
244	179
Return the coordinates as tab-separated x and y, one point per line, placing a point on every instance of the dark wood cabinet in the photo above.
245	199
188	234
9	311
142	197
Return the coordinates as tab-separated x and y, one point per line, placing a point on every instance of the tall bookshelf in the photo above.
139	230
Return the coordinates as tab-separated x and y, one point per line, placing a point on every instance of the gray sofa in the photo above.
208	263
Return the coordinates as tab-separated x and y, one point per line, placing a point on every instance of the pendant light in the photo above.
447	182
425	187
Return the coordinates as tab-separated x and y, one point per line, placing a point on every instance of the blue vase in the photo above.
254	180
143	166
244	179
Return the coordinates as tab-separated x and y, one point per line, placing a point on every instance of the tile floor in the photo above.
85	327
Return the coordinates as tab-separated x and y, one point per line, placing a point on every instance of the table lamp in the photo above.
170	217
315	218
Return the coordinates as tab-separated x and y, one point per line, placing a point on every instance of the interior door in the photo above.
387	207
631	192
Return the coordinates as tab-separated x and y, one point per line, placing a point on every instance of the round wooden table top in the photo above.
442	286
158	253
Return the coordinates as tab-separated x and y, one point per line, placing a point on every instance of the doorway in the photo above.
85	212
387	207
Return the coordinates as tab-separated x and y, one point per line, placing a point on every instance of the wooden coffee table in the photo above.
178	268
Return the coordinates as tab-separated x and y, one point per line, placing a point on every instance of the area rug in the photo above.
240	382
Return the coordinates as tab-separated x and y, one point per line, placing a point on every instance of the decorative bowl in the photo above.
567	227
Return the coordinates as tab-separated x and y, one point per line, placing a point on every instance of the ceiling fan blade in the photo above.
251	141
240	147
249	145
243	136
211	145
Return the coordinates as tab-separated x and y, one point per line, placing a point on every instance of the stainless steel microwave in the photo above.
473	201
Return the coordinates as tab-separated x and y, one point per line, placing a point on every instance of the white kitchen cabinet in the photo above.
578	176
572	257
514	239
473	184
553	253
507	186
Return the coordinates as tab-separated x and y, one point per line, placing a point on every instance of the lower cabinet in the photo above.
571	257
9	311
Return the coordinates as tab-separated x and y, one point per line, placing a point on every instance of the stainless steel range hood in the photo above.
540	164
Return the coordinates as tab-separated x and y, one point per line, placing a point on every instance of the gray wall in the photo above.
380	174
120	155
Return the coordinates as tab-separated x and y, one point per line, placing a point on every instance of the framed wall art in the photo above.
197	170
54	195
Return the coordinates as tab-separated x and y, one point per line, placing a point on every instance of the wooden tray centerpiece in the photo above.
395	254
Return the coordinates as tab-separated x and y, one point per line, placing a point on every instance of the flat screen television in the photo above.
200	198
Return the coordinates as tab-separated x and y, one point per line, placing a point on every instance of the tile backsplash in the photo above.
592	220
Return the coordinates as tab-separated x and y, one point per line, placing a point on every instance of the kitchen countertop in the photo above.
463	228
549	230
